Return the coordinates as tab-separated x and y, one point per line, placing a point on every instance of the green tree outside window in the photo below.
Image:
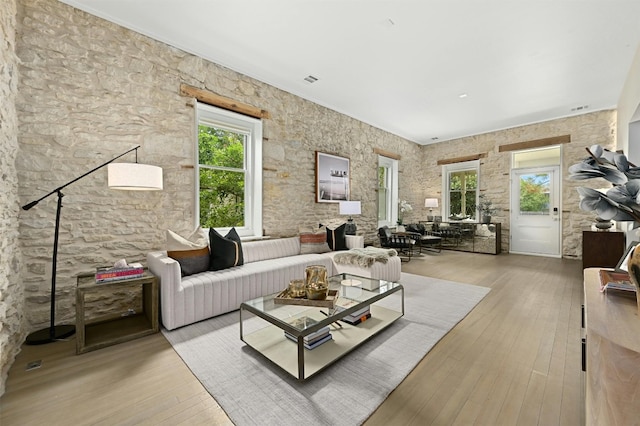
222	177
462	193
534	193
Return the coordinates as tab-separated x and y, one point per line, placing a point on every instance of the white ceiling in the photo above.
401	65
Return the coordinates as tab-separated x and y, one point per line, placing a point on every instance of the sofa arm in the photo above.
170	277
354	241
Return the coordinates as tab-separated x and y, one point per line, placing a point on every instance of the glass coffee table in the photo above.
280	332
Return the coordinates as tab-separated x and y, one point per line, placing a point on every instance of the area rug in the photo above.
252	391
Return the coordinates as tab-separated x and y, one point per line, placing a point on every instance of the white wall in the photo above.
629	111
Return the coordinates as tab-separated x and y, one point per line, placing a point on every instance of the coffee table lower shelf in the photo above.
271	343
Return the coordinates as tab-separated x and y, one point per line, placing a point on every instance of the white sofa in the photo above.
268	267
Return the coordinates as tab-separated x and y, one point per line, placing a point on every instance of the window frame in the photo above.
209	115
447	169
392	190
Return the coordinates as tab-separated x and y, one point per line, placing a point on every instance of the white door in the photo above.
535	211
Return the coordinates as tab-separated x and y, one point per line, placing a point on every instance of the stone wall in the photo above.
91	90
585	130
11	297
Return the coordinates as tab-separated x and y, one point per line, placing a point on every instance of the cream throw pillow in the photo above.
197	240
192	253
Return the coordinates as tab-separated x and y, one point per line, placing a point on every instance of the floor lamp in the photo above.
128	176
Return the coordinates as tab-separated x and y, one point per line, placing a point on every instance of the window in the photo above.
534	194
229	173
536	158
460	186
387	191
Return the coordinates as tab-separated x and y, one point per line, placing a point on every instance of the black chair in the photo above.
401	242
425	238
450	235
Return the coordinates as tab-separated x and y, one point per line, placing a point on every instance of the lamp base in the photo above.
350	228
44	336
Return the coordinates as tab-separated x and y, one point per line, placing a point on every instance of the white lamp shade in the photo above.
431	202
350	207
134	177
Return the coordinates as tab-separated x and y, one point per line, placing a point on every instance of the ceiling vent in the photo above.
579	108
310	79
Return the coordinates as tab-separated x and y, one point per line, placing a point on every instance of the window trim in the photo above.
252	127
457	167
392	196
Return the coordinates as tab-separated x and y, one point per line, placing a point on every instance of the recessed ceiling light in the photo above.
311	79
462	95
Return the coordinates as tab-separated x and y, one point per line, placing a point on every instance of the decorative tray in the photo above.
283	298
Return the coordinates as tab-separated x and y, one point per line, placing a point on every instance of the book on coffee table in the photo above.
358	316
311	338
358	320
612	280
313	344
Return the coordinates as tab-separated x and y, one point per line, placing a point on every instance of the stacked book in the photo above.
314	339
358	316
105	275
618	281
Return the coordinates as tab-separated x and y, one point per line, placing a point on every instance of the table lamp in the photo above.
350	208
430	203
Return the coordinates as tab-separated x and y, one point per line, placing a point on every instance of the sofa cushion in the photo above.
313	241
192	253
213	293
225	251
336	238
197	240
255	251
191	261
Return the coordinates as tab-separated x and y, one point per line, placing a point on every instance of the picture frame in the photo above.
332	178
622	263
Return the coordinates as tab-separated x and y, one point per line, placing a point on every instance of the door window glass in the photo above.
534	194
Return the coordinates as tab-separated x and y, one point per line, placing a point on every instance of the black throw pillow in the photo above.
225	251
336	238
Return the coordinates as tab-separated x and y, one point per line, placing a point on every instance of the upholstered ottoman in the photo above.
388	270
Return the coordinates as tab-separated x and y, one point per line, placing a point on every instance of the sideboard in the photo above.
602	248
611	355
468	236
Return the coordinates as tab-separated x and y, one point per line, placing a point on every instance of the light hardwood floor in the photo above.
514	360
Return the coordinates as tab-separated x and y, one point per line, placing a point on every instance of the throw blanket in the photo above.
364	256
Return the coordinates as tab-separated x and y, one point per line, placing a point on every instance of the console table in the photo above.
611	350
468	236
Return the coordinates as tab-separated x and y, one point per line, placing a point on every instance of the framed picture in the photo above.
332	178
622	263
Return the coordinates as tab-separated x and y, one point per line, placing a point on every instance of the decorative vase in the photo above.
633	267
297	288
316	283
486	218
602	224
